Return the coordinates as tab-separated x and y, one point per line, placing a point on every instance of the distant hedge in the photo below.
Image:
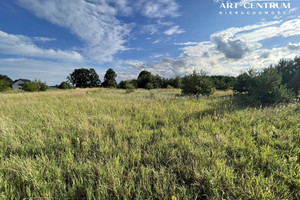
34	86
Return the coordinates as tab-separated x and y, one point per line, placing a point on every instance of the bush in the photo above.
267	88
195	84
5	82
34	86
245	81
129	88
64	85
4	85
264	88
149	86
43	86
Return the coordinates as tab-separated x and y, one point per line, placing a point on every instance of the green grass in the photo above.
109	144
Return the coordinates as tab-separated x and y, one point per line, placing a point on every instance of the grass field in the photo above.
106	144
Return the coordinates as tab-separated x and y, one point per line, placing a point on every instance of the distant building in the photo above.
17	84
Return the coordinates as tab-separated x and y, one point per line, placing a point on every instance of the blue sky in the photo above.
48	39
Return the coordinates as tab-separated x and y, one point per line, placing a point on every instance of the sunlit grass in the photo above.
107	144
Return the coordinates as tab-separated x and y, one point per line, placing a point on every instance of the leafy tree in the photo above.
64	85
84	78
110	79
5	82
43	86
34	86
3	85
6	78
144	78
196	84
158	82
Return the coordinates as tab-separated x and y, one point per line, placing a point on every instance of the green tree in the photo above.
34	86
5	82
290	70
110	79
149	86
223	82
245	81
294	83
144	78
129	88
196	84
64	85
267	88
177	82
84	78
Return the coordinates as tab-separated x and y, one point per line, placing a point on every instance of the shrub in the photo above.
149	86
245	81
5	82
264	88
267	88
34	86
43	86
64	85
129	88
4	85
195	84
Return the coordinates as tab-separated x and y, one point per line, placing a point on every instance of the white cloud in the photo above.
96	23
43	39
127	75
186	43
293	46
235	43
158	8
284	29
174	30
230	51
139	65
156	41
150	29
93	21
24	46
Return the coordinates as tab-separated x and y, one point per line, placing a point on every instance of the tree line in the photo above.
84	78
275	84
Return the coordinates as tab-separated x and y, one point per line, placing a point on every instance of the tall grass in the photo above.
108	144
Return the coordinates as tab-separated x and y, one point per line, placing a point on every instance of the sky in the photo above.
48	39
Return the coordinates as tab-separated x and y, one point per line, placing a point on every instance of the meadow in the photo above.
109	144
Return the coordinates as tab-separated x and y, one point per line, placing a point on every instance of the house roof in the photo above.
24	80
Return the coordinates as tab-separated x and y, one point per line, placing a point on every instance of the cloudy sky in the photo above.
48	39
